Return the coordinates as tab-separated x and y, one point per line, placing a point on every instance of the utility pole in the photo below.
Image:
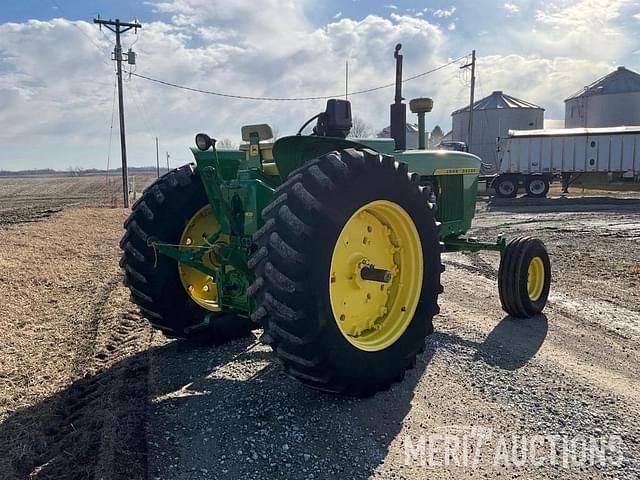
473	87
119	28
168	161
346	80
157	160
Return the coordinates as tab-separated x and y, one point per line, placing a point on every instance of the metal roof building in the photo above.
610	101
412	135
493	117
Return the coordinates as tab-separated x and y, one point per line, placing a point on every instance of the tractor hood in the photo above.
440	162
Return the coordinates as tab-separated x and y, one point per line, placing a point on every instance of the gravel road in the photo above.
557	381
89	391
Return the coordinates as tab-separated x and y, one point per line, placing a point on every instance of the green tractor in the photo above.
331	245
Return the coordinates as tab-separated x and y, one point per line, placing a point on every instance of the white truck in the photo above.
534	157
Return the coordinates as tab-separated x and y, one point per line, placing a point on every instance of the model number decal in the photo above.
456	171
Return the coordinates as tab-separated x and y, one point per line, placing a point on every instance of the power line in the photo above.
291	99
91	40
139	103
113	109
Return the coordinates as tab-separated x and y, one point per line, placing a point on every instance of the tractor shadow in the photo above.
513	342
233	411
183	412
79	432
509	346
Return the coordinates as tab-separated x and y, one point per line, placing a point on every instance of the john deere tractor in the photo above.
331	245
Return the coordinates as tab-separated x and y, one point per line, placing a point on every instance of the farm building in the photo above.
412	135
493	117
611	101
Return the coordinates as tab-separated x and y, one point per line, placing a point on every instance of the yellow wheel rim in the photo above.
200	287
535	278
372	315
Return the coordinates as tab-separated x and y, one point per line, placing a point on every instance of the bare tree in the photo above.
226	143
360	128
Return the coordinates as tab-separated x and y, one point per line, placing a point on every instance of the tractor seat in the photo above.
262	129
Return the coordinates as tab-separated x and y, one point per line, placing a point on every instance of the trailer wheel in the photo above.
506	186
524	277
347	272
177	300
537	186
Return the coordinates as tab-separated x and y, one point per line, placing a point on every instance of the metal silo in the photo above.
611	101
493	117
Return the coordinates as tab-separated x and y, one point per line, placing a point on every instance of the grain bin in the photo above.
493	117
611	101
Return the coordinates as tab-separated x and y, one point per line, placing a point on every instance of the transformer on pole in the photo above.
119	28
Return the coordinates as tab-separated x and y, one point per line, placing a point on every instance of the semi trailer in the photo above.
533	158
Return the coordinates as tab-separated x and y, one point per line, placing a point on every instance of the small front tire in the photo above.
524	277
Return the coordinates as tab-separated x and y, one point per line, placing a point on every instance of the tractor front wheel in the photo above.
347	272
178	300
524	277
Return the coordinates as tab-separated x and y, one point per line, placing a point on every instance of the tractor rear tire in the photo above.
506	186
524	277
299	295
162	212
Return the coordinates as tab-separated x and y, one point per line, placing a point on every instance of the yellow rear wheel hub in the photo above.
381	237
535	278
200	287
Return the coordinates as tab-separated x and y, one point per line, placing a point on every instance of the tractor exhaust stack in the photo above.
399	109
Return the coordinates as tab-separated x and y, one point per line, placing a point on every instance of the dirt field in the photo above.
30	198
87	390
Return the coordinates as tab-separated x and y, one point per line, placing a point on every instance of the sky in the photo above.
57	78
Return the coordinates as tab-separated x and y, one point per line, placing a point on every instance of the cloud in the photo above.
511	8
66	98
553	123
577	27
391	6
56	78
440	13
37	91
543	81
